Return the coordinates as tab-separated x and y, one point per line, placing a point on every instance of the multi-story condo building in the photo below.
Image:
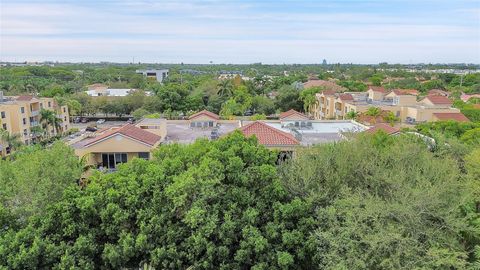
20	115
403	103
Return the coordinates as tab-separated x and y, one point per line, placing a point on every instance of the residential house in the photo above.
203	119
340	102
325	105
107	148
270	137
383	127
465	97
459	117
296	119
327	85
438	92
376	93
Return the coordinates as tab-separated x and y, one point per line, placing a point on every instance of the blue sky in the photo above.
346	31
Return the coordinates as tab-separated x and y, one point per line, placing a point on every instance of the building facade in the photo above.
21	115
403	103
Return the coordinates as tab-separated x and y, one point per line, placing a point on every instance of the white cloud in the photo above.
226	32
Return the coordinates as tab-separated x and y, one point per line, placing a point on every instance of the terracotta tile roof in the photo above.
130	131
385	127
438	92
293	112
268	135
451	116
380	89
402	92
466	97
439	100
329	92
206	113
24	98
345	97
328	85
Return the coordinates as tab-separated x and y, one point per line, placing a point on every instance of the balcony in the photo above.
339	112
34	123
35	113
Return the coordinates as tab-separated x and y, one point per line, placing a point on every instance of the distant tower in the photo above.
324	62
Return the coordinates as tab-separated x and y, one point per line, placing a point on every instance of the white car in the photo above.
101	121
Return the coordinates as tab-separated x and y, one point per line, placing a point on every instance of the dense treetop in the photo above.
370	202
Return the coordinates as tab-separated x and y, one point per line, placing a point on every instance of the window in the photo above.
24	121
144	155
65	119
210	124
64	110
3	114
22	109
49	104
4	126
192	124
41	105
25	132
120	158
110	160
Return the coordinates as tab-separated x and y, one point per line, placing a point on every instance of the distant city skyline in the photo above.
241	32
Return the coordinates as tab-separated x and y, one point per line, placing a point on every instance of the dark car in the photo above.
130	120
91	129
248	113
77	120
84	120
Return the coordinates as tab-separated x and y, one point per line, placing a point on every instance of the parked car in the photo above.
130	120
77	120
100	121
91	129
84	120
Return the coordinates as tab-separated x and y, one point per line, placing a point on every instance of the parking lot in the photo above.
107	124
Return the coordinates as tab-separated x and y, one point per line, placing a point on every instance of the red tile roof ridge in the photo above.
130	131
268	135
204	112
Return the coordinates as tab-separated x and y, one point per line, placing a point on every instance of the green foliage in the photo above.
400	208
139	113
308	96
288	98
36	178
377	79
391	118
450	129
258	117
354	86
352	115
209	205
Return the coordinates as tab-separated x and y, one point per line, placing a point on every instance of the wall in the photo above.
115	144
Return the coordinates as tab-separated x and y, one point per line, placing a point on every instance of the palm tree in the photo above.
351	115
12	140
49	118
225	88
374	112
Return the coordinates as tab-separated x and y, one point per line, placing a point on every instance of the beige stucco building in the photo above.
107	148
403	103
21	115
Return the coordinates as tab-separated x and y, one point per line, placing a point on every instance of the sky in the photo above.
241	32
